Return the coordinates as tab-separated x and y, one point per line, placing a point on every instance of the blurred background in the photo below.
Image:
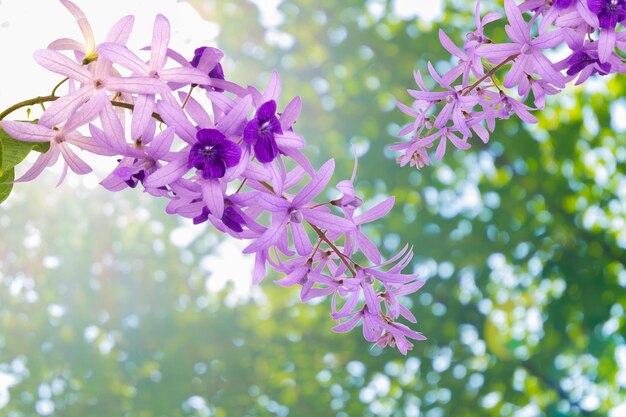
108	307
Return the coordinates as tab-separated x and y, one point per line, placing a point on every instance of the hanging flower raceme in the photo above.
225	155
588	28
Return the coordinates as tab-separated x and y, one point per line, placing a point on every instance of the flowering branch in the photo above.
215	136
469	108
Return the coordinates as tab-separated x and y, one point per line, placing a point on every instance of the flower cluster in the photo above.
223	154
472	98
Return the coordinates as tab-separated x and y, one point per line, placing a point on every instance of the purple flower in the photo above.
217	72
609	12
261	130
563	4
231	218
60	139
213	153
580	60
525	51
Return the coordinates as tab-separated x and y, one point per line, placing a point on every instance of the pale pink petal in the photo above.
86	113
55	62
135	85
606	44
142	115
379	210
175	116
196	111
88	144
28	132
450	46
316	185
233	122
213	197
289	139
160	40
61	109
82	21
325	220
123	56
291	113
75	163
162	143
65	44
497	53
44	160
520	28
259	268
186	75
113	129
548	40
348	325
120	32
270	236
272	90
301	239
516	72
169	173
367	247
292	278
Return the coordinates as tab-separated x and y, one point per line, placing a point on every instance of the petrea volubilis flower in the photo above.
216	73
213	154
261	130
589	28
247	178
609	12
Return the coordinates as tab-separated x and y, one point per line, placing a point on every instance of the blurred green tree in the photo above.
522	242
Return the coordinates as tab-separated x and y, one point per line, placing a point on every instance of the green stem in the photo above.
26	103
489	74
45	99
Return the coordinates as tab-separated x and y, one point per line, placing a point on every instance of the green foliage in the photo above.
12	152
522	242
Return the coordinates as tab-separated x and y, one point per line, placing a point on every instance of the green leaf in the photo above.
6	184
12	151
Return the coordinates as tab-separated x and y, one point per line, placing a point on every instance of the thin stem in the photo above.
489	74
241	185
26	103
322	235
45	99
188	95
56	87
317	246
335	249
156	116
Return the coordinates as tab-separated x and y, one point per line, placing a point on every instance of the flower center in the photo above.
369	279
295	216
613	5
98	84
526	49
206	151
59	138
450	99
264	127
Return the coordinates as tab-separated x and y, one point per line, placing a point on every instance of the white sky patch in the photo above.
226	265
24	29
270	15
425	10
